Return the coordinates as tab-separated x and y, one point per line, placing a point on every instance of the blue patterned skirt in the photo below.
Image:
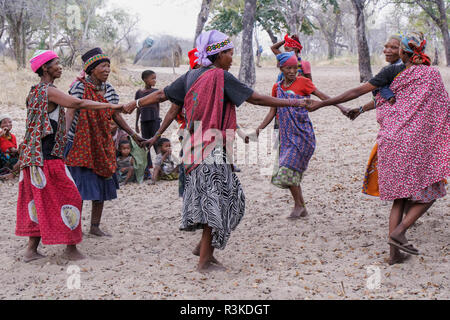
90	185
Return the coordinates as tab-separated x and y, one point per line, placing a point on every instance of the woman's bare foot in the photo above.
298	212
209	266
72	253
31	255
97	232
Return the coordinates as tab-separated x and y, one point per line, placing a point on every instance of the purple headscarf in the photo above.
211	42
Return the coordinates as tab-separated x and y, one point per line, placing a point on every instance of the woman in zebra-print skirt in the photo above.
213	198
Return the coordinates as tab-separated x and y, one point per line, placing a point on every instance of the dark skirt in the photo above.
90	185
213	196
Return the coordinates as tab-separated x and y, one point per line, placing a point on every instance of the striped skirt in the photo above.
213	196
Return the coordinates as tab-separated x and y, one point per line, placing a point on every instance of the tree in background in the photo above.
21	18
437	10
329	18
68	27
247	69
365	69
202	18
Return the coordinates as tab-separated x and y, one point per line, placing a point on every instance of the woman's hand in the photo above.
352	114
138	139
129	107
344	110
150	142
313	105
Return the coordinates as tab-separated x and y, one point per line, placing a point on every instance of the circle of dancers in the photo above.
68	157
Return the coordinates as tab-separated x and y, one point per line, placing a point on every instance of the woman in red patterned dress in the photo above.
413	140
49	205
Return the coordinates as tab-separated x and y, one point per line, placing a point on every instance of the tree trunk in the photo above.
443	26
247	69
272	37
365	70
331	48
202	18
51	27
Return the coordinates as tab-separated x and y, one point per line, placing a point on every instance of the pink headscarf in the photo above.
41	57
211	42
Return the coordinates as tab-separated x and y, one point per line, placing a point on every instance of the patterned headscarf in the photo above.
93	58
287	59
292	42
415	47
209	43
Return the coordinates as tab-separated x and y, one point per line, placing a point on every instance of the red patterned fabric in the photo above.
93	145
291	43
8	142
38	126
206	121
49	204
413	140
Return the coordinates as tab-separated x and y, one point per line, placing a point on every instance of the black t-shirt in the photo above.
387	75
151	111
236	92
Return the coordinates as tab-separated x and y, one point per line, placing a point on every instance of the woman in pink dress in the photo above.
413	140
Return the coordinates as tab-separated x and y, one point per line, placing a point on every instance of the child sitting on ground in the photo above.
9	154
165	167
125	163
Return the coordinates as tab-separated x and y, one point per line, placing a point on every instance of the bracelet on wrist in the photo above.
137	103
361	109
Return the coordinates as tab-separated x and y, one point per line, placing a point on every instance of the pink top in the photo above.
306	67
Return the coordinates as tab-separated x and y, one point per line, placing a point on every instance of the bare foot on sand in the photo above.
97	232
298	212
72	253
31	255
209	267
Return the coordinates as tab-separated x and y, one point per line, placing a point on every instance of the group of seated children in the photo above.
9	153
165	166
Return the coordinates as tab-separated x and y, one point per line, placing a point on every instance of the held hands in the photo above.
312	105
150	142
129	107
139	140
353	113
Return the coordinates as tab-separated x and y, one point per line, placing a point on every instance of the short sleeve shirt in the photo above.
150	112
236	92
302	86
387	75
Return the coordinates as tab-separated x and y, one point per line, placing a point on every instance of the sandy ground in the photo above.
323	256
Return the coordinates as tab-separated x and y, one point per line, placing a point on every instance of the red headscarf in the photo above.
193	58
292	42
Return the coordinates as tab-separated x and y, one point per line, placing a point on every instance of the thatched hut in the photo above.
161	52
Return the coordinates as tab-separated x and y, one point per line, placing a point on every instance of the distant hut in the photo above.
162	52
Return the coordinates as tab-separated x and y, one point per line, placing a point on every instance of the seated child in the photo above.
125	162
117	133
164	165
9	153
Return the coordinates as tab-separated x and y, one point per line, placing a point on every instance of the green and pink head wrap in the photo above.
40	58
